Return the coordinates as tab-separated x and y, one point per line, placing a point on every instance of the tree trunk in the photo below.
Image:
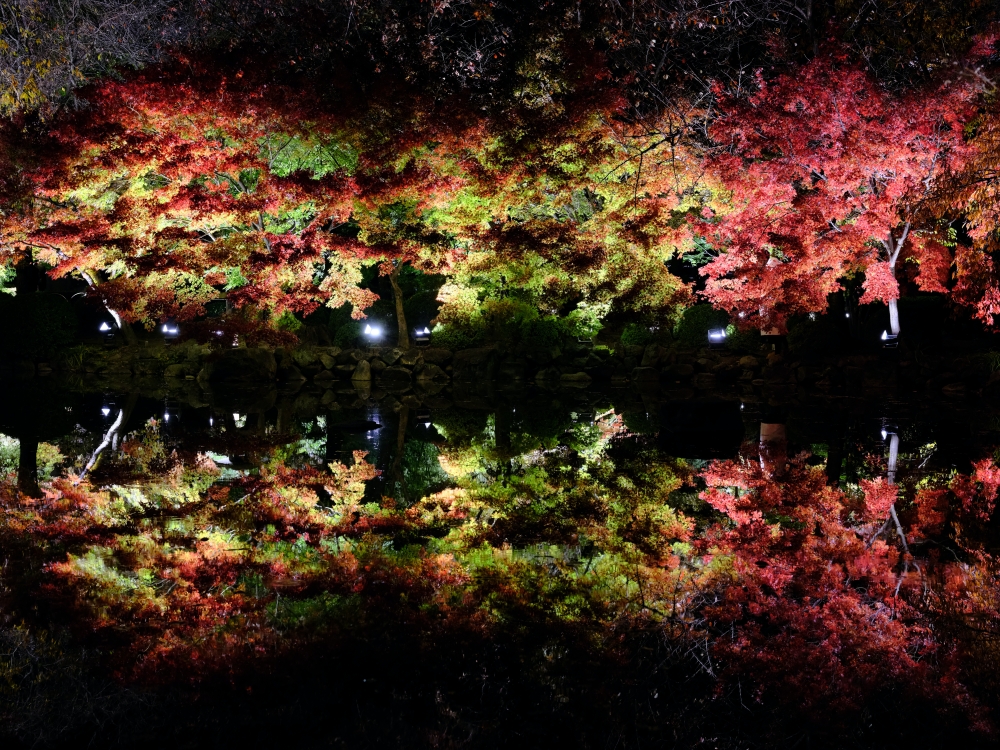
110	438
894	247
26	278
503	418
27	467
404	334
893	318
398	479
893	304
893	455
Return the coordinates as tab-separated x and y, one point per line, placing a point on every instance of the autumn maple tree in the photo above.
825	172
169	205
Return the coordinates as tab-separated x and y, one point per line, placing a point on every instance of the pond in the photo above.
484	565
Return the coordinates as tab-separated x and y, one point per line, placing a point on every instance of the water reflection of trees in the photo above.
554	533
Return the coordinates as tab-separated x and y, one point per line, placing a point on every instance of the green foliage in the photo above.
639	421
743	342
692	329
703	253
316	157
989	362
586	320
337	317
635	334
347	334
508	323
7	275
421	308
422	474
235	279
154	181
9	454
45	323
454	337
315	614
287	322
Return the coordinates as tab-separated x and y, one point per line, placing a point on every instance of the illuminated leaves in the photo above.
880	496
827	172
880	284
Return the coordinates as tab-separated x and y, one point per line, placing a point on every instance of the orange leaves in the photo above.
933	261
976	284
879	497
932	510
880	284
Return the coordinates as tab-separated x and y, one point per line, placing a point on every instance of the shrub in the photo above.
288	322
346	336
636	335
45	323
692	329
338	317
639	422
453	337
48	457
743	342
509	323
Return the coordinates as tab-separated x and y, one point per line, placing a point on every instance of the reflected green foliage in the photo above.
422	474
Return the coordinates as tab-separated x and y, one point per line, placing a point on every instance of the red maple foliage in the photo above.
813	608
880	496
826	172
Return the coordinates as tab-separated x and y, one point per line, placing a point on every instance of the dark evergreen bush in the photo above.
635	334
36	324
693	327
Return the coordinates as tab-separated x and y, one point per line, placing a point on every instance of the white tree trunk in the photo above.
893	455
894	247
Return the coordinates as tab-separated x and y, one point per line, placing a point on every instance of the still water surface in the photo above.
179	545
